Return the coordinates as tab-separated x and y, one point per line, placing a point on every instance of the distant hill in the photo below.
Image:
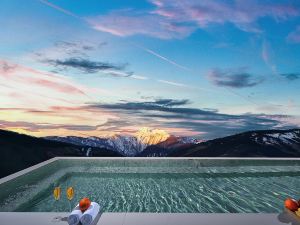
264	143
20	151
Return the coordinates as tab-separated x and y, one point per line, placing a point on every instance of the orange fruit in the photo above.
84	204
291	204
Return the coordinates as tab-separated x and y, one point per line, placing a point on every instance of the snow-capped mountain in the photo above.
264	143
151	137
130	145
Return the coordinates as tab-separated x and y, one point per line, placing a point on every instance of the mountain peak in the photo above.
151	136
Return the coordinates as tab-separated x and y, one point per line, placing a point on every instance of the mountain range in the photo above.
149	143
132	145
19	151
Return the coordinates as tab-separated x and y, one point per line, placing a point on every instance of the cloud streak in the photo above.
164	58
172	83
59	9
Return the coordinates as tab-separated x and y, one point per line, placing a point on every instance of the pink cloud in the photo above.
127	23
21	74
61	87
178	19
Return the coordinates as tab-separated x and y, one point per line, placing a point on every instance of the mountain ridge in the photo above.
261	143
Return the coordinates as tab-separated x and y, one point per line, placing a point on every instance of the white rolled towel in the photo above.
90	214
75	216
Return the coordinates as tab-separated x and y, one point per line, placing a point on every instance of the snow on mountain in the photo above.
126	145
129	145
123	144
151	137
278	138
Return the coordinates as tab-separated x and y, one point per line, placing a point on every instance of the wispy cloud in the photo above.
68	49
243	15
178	19
78	48
131	22
234	78
26	75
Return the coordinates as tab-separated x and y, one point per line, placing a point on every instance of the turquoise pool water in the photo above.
160	185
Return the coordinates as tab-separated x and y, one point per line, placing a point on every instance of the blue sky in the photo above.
196	68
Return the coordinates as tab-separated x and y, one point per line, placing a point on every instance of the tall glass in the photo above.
70	195
56	195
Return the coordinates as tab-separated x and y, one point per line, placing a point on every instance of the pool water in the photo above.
235	187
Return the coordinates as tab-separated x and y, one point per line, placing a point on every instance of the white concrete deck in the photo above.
23	218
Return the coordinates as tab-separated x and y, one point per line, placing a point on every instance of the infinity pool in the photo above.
157	185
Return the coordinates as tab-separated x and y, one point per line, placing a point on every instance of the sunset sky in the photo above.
192	68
